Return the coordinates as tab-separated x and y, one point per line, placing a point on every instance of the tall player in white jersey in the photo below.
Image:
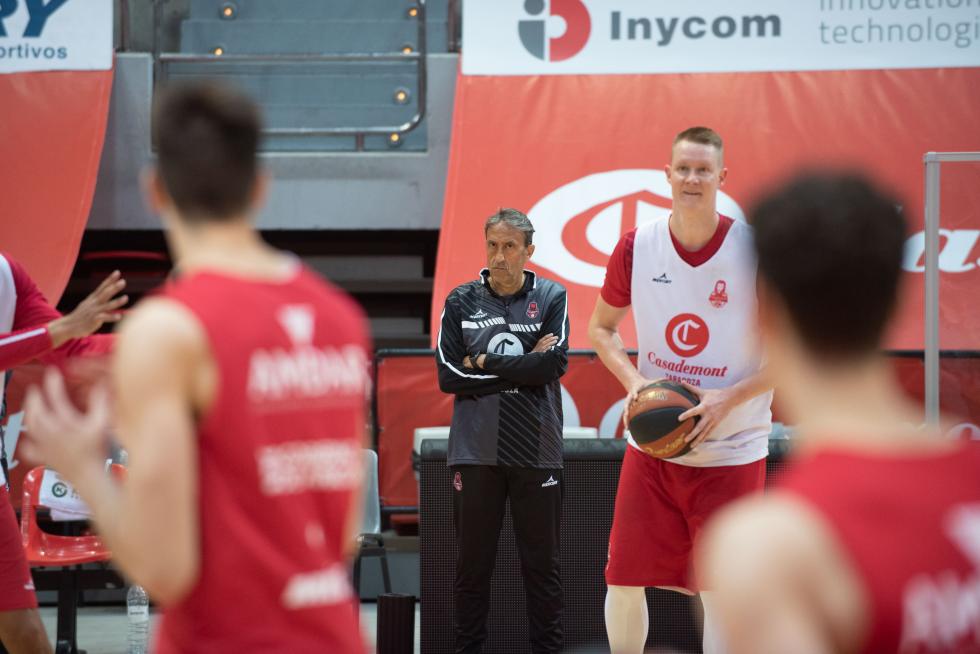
690	280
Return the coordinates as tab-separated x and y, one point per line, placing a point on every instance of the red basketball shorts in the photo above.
16	587
660	510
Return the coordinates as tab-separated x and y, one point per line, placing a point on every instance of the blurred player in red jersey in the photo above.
32	329
242	491
871	541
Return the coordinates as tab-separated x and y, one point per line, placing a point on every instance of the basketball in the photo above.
653	419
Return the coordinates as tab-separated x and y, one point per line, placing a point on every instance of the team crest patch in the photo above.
532	310
719	297
458	482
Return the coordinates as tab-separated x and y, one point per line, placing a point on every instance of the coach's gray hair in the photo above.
514	218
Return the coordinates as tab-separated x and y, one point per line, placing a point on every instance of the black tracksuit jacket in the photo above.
509	412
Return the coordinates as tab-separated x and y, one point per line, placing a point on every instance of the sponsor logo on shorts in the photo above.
551	482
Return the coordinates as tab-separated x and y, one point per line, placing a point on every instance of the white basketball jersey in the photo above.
698	324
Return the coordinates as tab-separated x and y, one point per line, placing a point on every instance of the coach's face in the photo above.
695	174
506	256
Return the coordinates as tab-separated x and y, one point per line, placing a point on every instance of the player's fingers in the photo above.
626	410
699	430
107	294
117	302
703	436
37	415
694	389
57	396
34	406
98	407
690	413
111	279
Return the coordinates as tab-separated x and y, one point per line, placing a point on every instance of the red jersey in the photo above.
910	526
279	457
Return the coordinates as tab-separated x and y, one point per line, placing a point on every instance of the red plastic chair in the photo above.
67	552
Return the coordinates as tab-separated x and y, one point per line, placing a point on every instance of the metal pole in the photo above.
931	318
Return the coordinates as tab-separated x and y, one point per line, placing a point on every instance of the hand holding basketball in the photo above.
631	394
653	419
713	406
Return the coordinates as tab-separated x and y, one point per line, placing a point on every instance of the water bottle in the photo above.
138	609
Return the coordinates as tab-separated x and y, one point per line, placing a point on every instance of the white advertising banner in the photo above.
558	37
40	35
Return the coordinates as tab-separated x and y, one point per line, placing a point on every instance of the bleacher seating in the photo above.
304	94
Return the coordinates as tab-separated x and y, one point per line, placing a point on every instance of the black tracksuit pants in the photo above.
479	499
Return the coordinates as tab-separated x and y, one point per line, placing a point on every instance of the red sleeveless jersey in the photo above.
280	458
910	526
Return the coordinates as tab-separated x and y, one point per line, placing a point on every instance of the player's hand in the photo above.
714	405
631	394
545	343
474	362
58	434
100	307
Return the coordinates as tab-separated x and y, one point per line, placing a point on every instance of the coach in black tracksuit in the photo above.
502	346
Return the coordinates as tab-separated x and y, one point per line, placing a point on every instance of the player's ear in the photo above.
154	190
722	176
667	171
260	190
530	250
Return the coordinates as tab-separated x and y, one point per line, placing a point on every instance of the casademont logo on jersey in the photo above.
304	371
578	225
687	336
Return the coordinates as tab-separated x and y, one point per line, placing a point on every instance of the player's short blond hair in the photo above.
703	136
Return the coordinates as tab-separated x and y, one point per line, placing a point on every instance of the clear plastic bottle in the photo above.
138	610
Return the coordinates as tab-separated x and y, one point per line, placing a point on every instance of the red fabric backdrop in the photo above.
518	139
51	136
52	130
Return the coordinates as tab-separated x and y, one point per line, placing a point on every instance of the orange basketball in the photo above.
653	419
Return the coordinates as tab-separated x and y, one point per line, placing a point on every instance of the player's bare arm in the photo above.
605	338
99	307
715	404
780	583
162	375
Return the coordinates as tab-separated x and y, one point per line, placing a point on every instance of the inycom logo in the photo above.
533	33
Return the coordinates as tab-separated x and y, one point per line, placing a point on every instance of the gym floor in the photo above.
102	629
